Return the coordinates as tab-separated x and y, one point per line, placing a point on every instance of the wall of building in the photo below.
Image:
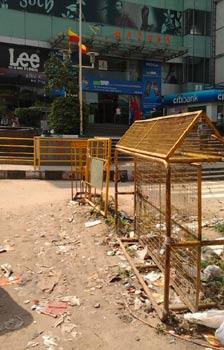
39	23
219	71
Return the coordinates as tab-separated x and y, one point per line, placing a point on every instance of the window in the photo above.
197	22
196	70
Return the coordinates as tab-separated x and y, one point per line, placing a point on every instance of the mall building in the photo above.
153	55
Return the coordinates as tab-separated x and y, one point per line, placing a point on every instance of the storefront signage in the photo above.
203	96
46	5
112	86
24	61
121	14
24	64
151	77
140	36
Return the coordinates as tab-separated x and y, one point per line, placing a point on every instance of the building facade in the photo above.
147	49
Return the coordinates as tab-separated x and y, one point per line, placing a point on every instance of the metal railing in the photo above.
18	150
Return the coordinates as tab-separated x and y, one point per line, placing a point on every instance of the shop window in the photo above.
197	22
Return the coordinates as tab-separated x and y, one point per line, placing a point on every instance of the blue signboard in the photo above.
112	86
151	94
202	96
58	92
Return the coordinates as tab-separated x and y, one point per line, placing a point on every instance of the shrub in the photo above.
64	116
30	116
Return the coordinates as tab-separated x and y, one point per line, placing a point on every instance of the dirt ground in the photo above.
54	256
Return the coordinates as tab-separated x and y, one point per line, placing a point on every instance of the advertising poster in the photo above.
22	64
151	78
117	13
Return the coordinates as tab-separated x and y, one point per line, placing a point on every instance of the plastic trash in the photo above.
92	223
49	342
210	318
219	334
212	271
152	276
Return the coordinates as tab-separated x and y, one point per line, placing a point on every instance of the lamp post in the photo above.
80	69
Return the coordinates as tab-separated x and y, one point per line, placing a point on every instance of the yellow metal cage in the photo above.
168	154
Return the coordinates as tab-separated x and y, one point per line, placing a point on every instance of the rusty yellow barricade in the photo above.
91	172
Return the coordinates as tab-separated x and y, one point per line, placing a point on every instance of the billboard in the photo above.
22	64
112	86
117	13
151	79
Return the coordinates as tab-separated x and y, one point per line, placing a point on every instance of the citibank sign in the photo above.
221	97
180	100
202	96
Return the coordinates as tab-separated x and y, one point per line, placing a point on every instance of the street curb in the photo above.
125	175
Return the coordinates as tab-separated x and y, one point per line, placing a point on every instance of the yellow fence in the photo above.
39	152
15	150
53	151
91	172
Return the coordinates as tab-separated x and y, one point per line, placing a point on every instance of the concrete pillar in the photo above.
211	111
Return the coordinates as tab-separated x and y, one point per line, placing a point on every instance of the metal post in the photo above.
80	68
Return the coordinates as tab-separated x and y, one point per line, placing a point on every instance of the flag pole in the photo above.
80	69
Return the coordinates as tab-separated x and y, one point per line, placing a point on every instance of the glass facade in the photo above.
126	34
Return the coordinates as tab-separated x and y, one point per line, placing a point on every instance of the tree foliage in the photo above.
30	116
64	116
61	74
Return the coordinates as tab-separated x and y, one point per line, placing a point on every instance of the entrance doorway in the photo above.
107	104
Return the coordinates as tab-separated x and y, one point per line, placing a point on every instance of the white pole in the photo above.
80	68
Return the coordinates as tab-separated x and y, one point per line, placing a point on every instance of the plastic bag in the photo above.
219	334
210	318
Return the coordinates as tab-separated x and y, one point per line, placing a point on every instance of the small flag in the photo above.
84	49
72	36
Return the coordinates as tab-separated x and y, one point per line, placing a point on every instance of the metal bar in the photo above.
198	267
116	191
109	144
144	155
80	68
141	281
183	136
167	243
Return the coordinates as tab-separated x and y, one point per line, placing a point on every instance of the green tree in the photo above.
64	116
61	75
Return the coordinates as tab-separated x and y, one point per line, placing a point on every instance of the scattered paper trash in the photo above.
7	269
49	342
111	253
210	318
210	338
11	280
71	300
68	328
92	223
132	235
32	344
219	334
152	277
